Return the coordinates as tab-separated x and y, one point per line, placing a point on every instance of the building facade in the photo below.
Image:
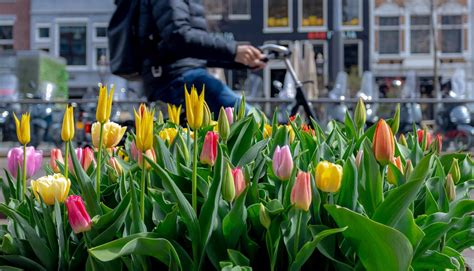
403	40
77	32
14	25
338	31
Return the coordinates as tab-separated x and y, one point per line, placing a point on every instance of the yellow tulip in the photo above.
168	134
173	113
328	176
104	105
291	133
144	128
194	107
23	128
112	134
67	132
51	188
267	130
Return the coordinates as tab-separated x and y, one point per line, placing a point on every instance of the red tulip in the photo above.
421	134
79	219
383	143
209	149
239	181
56	155
301	192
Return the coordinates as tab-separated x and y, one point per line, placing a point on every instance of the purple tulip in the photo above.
33	160
229	111
282	163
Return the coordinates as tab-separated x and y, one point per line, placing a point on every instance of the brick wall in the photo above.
20	9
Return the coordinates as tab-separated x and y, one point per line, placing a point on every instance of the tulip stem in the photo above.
142	195
99	162
297	236
66	163
24	171
194	176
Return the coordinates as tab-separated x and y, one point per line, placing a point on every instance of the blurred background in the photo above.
417	52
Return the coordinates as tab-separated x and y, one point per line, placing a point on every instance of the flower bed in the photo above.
238	193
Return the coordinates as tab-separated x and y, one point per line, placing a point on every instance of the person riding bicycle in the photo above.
183	51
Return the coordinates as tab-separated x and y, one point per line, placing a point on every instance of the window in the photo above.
352	58
43	32
451	34
100	32
321	64
351	13
312	13
277	14
101	56
214	9
6	37
420	34
73	44
389	35
239	9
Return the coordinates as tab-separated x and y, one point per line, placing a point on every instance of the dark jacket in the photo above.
174	35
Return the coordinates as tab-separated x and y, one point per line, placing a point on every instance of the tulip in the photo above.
67	131
223	125
51	188
291	133
104	105
15	158
168	134
408	169
115	165
455	171
174	113
206	117
282	163
79	219
85	156
148	153
112	133
396	120
359	157
229	112
241	110
239	181
228	187
56	155
301	192
134	152
438	143
328	176
23	128
209	149
383	143
450	187
360	114
144	128
160	119
390	175
264	218
267	130
421	135
403	140
194	107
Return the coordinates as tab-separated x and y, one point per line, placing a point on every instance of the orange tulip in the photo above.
383	143
390	175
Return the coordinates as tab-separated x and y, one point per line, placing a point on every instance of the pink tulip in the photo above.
301	192
239	181
79	219
15	159
56	155
359	157
150	154
134	151
229	111
115	165
282	162
85	156
209	149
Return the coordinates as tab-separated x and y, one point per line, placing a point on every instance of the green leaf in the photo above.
163	157
241	138
350	126
433	234
234	223
370	185
348	193
378	247
435	260
308	248
462	240
139	244
21	262
238	258
407	226
252	153
60	234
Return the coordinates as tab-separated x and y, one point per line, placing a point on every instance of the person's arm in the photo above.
172	19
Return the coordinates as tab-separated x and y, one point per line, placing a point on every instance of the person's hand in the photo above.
250	56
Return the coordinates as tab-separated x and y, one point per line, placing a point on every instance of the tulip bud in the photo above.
67	131
144	128
51	188
23	128
437	144
104	104
264	217
194	107
291	133
383	143
396	120
160	119
56	156
267	130
209	149
455	171
359	157
168	134
85	156
228	187
421	136
15	158
134	151
174	113
206	117
360	114
115	165
223	124
301	192
239	181
148	153
229	112
79	219
241	111
408	169
328	177
390	175
282	163
450	187
402	140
